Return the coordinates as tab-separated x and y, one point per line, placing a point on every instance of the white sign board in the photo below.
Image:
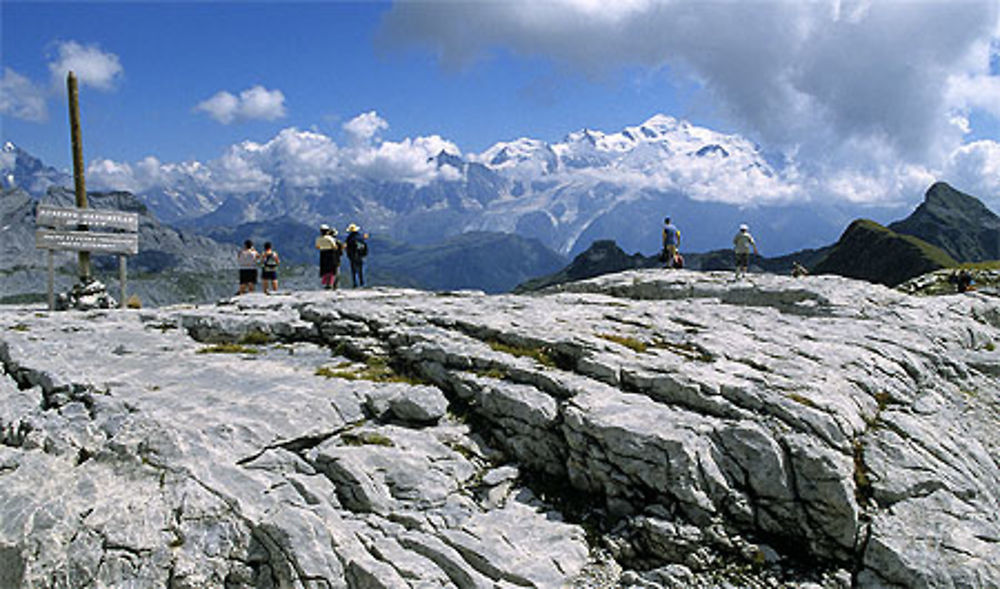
86	241
49	216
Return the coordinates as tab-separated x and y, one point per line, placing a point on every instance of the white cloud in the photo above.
857	90
21	98
91	65
975	168
297	158
364	127
257	103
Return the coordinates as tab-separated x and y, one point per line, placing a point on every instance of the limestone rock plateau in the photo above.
647	429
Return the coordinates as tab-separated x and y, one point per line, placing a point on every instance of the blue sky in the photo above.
325	60
864	100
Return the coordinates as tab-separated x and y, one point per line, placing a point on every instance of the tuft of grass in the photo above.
882	398
623	340
19	327
990	347
228	349
256	337
862	483
539	354
494	373
374	369
802	400
694	352
366	438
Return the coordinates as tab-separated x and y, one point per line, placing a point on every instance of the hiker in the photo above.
962	280
742	244
246	259
269	262
357	249
798	270
329	256
671	241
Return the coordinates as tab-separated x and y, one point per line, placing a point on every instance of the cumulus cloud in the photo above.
818	80
91	65
21	98
297	158
975	168
365	127
257	103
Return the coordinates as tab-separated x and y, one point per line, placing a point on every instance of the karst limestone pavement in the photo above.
699	430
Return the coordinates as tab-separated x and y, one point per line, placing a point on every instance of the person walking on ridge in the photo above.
671	241
357	249
246	259
743	242
329	256
269	262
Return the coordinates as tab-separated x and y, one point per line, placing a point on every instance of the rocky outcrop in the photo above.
648	428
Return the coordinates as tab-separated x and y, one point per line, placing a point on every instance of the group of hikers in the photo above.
331	249
743	244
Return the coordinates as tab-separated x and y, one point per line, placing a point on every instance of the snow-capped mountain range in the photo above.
591	185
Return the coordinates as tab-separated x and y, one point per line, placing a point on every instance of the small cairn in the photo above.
85	296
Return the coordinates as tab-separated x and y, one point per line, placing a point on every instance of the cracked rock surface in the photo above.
648	429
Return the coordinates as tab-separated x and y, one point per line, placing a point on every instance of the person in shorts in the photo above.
246	259
269	262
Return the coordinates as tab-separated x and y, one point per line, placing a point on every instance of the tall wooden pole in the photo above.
79	184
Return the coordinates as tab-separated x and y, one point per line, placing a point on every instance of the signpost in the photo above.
56	238
81	218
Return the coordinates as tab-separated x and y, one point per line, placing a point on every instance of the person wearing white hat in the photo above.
329	256
743	242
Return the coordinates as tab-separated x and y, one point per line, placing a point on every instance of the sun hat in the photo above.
352	228
324	227
744	227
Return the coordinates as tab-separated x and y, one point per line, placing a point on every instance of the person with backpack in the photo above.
743	242
671	241
269	262
246	259
357	249
329	256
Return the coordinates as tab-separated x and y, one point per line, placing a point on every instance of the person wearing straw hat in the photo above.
357	249
743	242
329	256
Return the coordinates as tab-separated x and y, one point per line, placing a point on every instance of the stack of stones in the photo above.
85	296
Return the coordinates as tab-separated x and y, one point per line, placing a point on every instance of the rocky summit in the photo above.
644	429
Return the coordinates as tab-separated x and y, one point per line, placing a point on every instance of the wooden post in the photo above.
52	272
79	184
121	279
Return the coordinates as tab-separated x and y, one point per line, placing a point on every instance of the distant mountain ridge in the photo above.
958	223
947	228
587	187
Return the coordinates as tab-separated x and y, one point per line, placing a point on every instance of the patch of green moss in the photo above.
623	340
228	349
19	327
990	347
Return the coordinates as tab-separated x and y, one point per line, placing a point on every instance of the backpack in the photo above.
270	261
362	248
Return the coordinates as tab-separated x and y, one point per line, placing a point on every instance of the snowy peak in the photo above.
9	147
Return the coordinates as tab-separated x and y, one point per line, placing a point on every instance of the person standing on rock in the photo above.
269	262
357	249
743	242
246	259
329	256
671	241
